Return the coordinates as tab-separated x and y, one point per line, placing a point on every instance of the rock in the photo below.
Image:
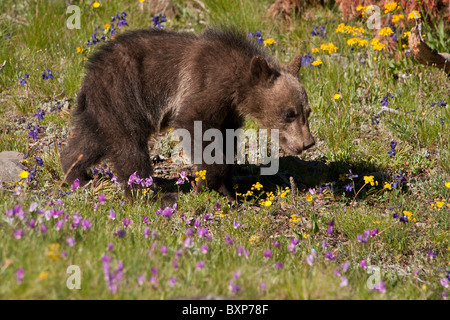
10	165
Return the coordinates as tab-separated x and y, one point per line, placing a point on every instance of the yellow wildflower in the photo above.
390	7
43	275
95	5
316	63
397	17
411	15
352	41
408	215
447	185
387	186
330	47
337	96
24	174
387	31
406	34
315	50
309	197
107	26
253	239
363	43
267	203
306	236
257	186
269	42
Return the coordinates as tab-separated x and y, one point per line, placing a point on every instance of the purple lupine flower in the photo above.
310	259
203	231
236	225
172	281
75	185
348	187
268	253
379	287
163	250
432	255
47	75
200	265
229	240
345	266
22	80
110	246
141	279
183	178
20	274
126	222
33	207
208	217
187	242
70	241
40	114
392	152
331	226
167	212
86	224
59	225
158	21
32	223
374	232
330	256
189	232
204	248
197	223
344	282
18	233
77	218
146	232
112	214
363	263
102	198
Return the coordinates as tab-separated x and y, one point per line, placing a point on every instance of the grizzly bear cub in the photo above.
146	81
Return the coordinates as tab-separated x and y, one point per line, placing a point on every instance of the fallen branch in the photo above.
423	54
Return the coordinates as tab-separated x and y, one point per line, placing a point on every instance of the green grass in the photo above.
33	38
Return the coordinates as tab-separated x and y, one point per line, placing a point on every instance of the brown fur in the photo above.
147	80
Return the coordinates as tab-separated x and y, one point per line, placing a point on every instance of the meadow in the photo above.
364	214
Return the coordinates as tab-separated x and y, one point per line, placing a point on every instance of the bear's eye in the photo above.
291	115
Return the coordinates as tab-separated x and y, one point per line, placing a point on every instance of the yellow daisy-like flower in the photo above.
387	186
309	197
53	255
387	31
316	63
141	0
368	179
447	185
330	47
267	203
24	174
397	17
412	15
95	5
257	186
352	41
107	26
337	96
390	7
54	246
269	42
406	34
408	214
363	43
253	239
43	275
306	236
315	50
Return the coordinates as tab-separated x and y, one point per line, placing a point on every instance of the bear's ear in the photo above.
294	66
260	70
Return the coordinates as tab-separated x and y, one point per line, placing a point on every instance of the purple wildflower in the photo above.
229	240
126	222
102	198
112	214
268	253
200	265
237	225
172	281
20	274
